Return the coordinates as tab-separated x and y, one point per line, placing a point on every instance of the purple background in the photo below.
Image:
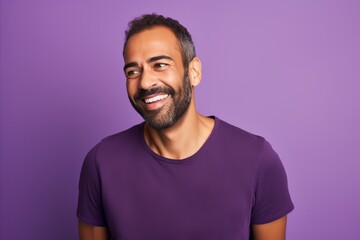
286	70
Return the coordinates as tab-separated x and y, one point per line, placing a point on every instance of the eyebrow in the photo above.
152	59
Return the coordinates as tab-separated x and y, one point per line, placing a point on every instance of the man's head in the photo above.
161	68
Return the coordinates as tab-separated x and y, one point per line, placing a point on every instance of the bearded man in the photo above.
179	175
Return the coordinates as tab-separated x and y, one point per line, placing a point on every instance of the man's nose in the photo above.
147	79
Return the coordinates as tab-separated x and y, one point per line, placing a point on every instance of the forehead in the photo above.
152	42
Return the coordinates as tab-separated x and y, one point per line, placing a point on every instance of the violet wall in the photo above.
286	70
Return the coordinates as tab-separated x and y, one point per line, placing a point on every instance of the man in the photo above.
178	175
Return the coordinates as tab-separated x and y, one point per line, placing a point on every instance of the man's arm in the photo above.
89	232
270	231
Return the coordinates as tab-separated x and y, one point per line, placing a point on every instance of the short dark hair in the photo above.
148	21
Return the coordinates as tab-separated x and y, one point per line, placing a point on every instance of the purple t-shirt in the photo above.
235	180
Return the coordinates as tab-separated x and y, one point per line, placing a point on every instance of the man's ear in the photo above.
195	71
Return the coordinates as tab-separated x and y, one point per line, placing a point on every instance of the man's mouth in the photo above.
155	98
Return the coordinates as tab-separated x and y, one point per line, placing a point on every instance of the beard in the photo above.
170	113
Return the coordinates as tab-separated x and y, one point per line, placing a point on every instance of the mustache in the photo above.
160	90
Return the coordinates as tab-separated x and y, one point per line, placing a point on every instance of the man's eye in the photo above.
160	66
132	73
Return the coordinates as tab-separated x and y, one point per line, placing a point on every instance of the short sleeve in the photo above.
271	194
90	208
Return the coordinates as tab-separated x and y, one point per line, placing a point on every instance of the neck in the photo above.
181	140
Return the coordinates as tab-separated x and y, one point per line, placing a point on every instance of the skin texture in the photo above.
88	232
160	74
146	68
271	231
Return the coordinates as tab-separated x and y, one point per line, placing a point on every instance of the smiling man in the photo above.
179	175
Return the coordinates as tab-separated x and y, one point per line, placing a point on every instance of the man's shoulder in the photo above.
232	133
119	143
254	148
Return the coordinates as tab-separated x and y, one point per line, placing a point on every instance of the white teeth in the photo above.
156	98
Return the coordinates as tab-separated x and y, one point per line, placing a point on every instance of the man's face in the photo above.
157	86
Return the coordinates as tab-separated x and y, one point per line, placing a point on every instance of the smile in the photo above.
155	98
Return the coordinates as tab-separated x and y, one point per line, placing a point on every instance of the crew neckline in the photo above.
187	159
